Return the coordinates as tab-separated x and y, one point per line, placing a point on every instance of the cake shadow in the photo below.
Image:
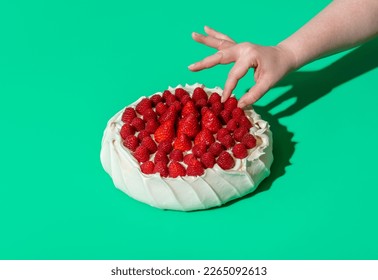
307	87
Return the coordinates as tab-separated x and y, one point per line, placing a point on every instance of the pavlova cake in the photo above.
184	149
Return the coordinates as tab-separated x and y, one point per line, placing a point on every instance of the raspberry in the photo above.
165	95
155	99
143	134
131	142
195	168
237	113
189	158
165	131
216	148
217	108
210	121
182	143
225	116
143	105
161	157
126	130
147	167
204	136
222	132
188	126
170	114
201	103
177	105
176	169
208	160
203	110
152	125
199	149
170	100
161	108
149	144
249	141
180	93
149	114
239	133
165	146
230	104
243	121
214	97
225	160
198	94
189	109
239	151
185	99
232	125
227	141
141	154
128	115
138	123
161	168
176	155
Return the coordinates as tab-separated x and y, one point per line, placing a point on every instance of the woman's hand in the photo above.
270	63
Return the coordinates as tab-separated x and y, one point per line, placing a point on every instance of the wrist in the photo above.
289	56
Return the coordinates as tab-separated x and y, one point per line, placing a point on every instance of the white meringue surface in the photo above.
214	188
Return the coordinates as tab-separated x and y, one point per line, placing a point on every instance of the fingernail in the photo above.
191	66
195	34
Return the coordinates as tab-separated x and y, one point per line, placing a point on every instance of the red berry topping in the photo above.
161	168
222	132
198	94
182	143
170	100
152	125
177	105
204	136
237	113
161	108
170	114
149	144
217	108
155	99
210	121
126	130
143	134
138	123
143	105
195	168
243	121
225	116
128	115
216	148
201	103
225	161
166	93
199	149
188	158
232	125
141	154
165	131
176	169
165	146
147	167
208	160
239	133
180	93
230	104
188	126
227	141
189	109
149	114
185	99
176	155
249	141
161	157
239	151
214	97
131	142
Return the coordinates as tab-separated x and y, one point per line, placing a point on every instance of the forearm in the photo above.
341	25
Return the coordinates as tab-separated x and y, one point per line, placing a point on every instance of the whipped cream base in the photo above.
214	188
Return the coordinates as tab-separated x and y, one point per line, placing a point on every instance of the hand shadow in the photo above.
306	88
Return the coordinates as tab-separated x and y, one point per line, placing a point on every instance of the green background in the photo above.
67	66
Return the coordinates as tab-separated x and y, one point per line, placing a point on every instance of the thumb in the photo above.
254	94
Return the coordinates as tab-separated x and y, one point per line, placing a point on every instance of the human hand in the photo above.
270	63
